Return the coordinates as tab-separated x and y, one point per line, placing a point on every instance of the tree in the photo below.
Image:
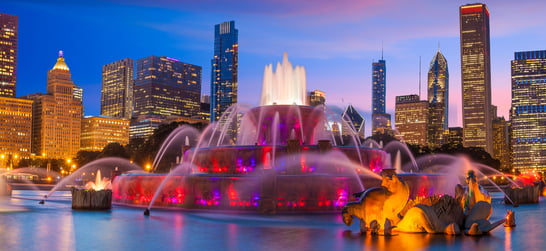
84	157
113	149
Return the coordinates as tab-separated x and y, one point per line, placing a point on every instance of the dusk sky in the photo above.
336	41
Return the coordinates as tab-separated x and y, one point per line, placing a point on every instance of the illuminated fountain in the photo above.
279	157
95	195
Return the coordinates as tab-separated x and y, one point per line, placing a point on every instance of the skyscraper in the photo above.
352	118
411	117
57	115
379	86
381	121
8	54
438	99
117	89
476	76
223	83
167	87
528	112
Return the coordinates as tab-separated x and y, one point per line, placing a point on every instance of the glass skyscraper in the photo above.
167	87
223	83
528	111
8	54
476	76
117	89
438	99
379	86
381	121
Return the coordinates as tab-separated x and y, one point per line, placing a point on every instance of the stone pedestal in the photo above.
522	195
91	200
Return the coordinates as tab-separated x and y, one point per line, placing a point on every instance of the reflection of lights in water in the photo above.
508	239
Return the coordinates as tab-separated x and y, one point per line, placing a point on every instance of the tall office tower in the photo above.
438	99
501	143
57	116
117	89
167	87
8	54
352	118
223	83
411	118
476	76
15	129
99	131
317	98
528	112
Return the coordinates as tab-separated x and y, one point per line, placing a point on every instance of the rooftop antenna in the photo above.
419	77
381	49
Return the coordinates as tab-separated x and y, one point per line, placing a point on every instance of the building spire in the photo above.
60	65
381	49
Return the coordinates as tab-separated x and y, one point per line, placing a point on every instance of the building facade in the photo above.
224	72
455	136
57	116
15	128
476	76
501	143
8	54
528	111
317	98
411	119
167	87
438	100
99	131
117	89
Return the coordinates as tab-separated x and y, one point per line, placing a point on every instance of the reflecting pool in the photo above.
26	225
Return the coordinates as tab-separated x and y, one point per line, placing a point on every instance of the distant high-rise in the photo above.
476	76
8	54
501	143
411	118
57	116
117	89
223	83
317	98
379	86
528	112
352	118
438	99
167	87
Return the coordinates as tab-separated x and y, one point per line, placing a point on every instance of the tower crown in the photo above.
60	65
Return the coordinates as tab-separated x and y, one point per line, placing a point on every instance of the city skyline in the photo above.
92	36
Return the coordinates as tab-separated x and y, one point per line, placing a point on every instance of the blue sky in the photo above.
336	41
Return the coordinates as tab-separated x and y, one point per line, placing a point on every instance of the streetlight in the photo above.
148	167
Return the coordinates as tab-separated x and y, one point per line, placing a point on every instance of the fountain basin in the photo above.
246	159
267	192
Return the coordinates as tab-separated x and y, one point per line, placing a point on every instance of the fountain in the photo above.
277	157
94	196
